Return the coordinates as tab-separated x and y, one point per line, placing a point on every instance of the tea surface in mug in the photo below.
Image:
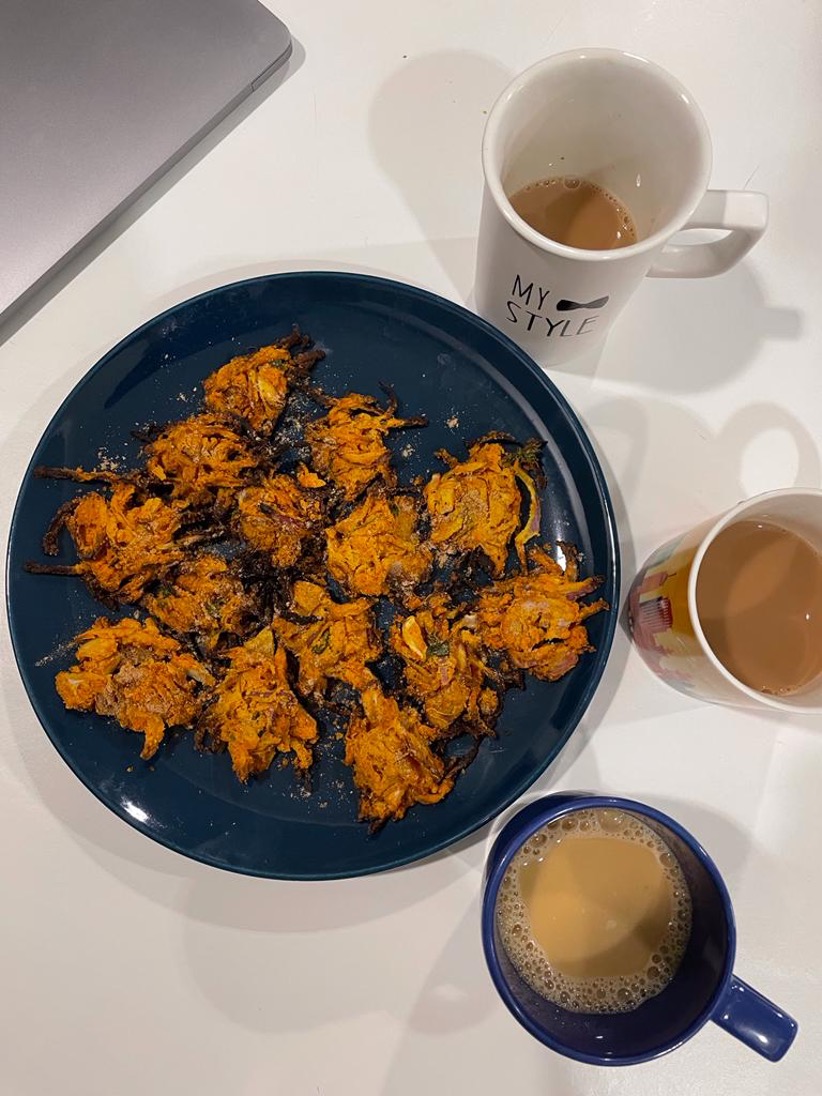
594	912
759	600
575	212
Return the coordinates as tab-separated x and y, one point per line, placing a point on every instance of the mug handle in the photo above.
754	1020
742	212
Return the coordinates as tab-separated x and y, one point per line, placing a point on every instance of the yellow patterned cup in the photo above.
663	617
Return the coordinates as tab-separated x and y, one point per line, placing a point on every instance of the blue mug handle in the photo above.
754	1020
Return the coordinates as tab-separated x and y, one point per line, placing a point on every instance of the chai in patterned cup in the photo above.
668	628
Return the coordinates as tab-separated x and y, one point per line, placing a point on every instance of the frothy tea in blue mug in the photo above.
594	912
622	930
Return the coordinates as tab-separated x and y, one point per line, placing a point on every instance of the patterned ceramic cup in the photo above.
662	608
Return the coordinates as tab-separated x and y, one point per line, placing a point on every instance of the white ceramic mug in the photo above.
627	125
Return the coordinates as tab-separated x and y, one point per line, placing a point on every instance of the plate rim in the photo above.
614	573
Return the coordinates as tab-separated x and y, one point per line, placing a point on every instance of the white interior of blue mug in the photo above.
608	117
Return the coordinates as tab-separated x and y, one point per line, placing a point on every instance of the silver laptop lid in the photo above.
97	99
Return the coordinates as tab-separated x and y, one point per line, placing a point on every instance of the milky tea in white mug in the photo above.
594	912
634	140
575	212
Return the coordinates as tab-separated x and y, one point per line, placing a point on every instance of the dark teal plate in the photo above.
445	363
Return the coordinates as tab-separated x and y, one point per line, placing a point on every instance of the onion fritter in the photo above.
129	670
332	640
347	445
475	505
378	548
278	517
255	386
199	457
254	711
124	542
535	619
203	599
389	750
444	666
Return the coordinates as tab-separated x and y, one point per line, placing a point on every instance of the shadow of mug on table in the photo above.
432	111
695	334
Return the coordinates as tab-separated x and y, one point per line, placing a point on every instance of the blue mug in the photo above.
704	987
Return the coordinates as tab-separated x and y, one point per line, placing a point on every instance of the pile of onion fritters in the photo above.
260	566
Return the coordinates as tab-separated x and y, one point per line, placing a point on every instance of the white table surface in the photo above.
127	969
